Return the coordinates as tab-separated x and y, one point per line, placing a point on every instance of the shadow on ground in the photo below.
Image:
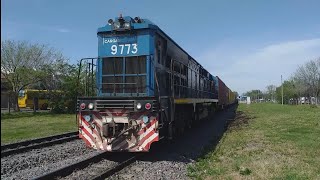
195	143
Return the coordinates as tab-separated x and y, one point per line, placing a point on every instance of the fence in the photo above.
6	100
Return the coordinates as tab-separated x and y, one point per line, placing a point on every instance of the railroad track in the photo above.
116	168
23	146
67	170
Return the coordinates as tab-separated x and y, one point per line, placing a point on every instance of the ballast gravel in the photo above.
37	162
171	160
98	168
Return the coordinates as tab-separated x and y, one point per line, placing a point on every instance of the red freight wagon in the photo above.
223	93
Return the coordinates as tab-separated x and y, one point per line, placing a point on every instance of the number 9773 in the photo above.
124	49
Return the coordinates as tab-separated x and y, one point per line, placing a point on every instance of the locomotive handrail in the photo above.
79	72
193	88
117	83
78	81
197	90
114	75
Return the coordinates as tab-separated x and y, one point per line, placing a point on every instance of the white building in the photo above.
244	99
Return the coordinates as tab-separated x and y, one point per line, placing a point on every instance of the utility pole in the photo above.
281	91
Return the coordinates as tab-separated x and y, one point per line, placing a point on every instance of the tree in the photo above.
289	93
70	86
236	94
254	94
271	90
24	64
307	77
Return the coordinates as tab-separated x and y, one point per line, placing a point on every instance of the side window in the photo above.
159	56
112	66
184	69
196	83
21	93
168	62
161	49
168	82
190	78
176	67
136	65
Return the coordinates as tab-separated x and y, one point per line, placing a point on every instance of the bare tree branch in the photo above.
307	79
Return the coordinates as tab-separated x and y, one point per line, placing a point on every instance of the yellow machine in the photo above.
27	96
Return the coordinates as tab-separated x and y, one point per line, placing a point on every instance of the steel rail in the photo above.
23	146
69	169
116	168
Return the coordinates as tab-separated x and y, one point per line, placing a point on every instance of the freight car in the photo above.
226	96
146	88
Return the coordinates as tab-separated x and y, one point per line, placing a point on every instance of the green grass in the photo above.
278	142
22	126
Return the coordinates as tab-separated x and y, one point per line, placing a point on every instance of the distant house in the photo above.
244	99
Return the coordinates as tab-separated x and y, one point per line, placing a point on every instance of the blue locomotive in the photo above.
146	88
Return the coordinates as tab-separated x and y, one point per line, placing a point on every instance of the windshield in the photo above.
21	93
124	74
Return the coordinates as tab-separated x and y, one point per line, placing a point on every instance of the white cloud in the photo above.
21	27
63	30
245	68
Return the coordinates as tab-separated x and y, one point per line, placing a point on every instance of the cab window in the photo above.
21	93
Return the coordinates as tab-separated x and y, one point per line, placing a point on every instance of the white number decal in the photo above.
122	46
135	49
114	48
128	45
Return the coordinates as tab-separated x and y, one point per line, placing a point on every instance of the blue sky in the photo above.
248	43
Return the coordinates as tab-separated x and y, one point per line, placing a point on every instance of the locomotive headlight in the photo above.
139	106
82	105
147	106
110	21
116	25
90	106
145	119
127	25
87	118
137	19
